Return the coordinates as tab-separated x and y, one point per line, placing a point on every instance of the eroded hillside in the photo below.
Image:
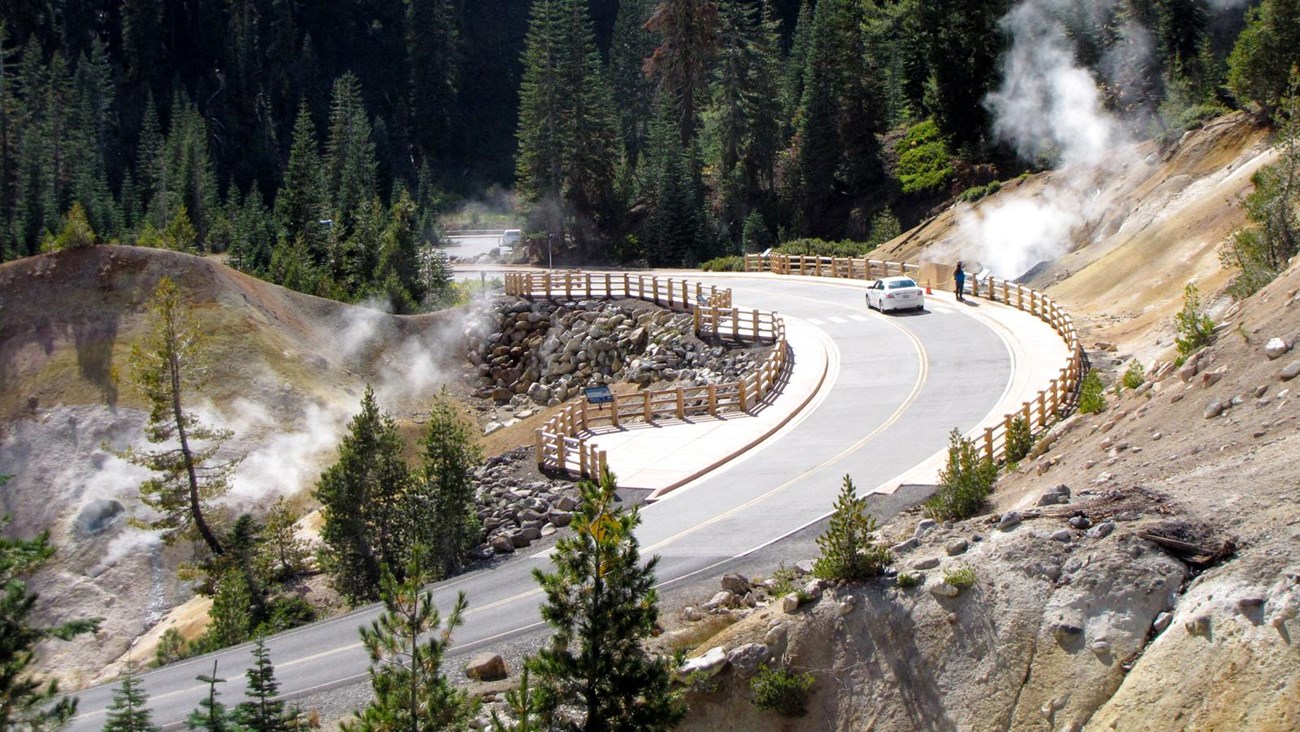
285	372
1135	546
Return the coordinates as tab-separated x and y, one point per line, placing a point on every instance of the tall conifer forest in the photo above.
316	142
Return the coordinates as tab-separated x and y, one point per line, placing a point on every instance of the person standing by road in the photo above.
959	277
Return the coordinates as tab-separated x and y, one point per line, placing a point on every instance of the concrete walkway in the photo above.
670	454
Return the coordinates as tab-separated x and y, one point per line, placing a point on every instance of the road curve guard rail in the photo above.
561	442
1040	412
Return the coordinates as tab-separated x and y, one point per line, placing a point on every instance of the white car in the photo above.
895	293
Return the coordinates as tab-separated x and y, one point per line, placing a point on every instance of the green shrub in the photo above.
755	236
724	264
1019	439
924	164
285	612
1134	375
975	193
964	483
1194	328
171	647
1092	397
847	549
784	578
823	248
963	578
908	579
781	690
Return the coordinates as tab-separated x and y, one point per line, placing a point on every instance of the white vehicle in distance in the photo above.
895	293
510	239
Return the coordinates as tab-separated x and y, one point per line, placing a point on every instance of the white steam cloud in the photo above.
1049	108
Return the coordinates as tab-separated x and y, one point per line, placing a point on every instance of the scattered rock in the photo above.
1009	520
692	614
707	665
1210	378
1276	348
790	603
1290	372
487	667
925	526
1080	522
723	599
1101	530
1213	408
746	659
943	589
736	583
955	547
1162	621
1064	536
905	546
1199	625
1250	603
775	639
924	564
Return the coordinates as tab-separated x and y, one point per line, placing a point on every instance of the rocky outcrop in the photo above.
550	351
1041	640
515	513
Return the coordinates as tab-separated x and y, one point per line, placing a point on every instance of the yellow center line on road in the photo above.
923	371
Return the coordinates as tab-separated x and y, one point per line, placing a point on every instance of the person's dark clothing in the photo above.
959	276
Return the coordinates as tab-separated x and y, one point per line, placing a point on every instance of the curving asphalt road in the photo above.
897	385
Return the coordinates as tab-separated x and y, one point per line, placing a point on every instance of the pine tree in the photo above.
674	229
1265	52
568	132
303	201
406	646
76	231
283	555
350	164
450	456
963	45
399	255
601	603
231	618
148	159
633	90
796	65
689	38
847	549
25	701
92	120
361	497
128	711
187	176
433	48
263	712
743	133
212	715
167	365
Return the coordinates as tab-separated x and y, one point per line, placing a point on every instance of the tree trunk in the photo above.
196	509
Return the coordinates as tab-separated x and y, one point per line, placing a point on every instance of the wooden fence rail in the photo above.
1045	408
562	442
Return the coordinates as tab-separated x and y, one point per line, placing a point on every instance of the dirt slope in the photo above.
286	372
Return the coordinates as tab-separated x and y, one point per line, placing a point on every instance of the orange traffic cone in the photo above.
927	288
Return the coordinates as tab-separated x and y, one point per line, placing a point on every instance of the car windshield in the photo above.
895	284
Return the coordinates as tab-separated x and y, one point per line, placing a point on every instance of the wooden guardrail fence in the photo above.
560	443
1041	411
